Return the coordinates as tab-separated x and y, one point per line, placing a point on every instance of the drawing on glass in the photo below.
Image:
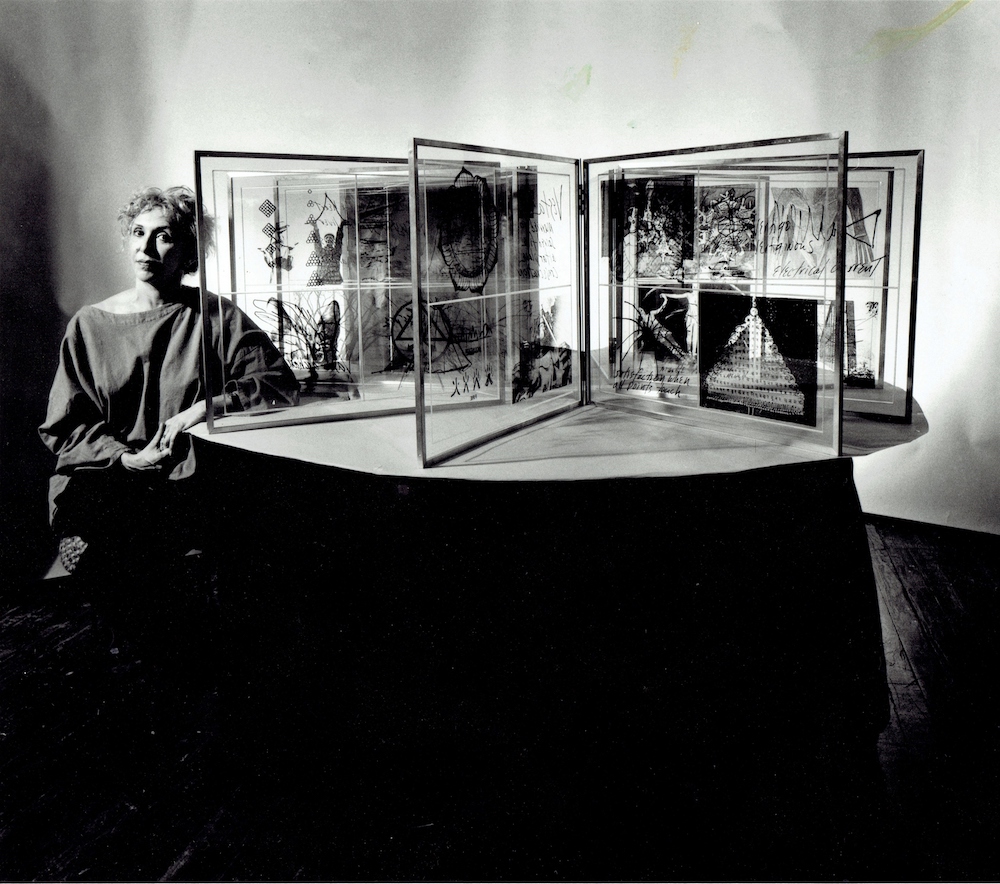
308	328
727	229
867	276
862	339
659	352
327	248
659	213
377	255
538	319
654	305
495	325
544	362
321	275
468	232
460	318
447	348
277	253
801	232
759	356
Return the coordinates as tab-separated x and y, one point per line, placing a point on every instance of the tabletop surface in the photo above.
590	442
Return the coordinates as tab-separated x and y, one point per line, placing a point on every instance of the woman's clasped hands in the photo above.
161	446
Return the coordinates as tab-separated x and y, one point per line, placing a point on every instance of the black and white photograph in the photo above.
499	440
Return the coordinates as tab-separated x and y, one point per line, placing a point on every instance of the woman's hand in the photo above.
177	424
162	444
149	457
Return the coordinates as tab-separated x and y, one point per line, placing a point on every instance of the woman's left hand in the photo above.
174	426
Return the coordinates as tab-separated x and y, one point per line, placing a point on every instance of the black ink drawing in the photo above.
660	215
862	231
277	253
544	363
661	323
760	356
382	250
327	247
541	368
727	230
801	233
443	348
861	333
311	330
659	342
468	232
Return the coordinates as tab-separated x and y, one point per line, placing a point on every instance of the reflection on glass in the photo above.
883	218
750	369
496	250
317	252
715	287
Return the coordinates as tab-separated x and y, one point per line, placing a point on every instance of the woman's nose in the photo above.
147	245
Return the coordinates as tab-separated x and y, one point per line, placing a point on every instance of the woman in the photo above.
131	381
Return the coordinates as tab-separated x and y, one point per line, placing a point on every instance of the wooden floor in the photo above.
111	769
939	596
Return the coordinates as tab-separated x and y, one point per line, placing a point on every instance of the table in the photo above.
534	664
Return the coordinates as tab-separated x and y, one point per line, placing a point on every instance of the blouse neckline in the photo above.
140	316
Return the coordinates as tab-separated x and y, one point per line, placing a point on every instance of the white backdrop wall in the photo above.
123	93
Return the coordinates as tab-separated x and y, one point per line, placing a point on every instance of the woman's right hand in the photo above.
149	457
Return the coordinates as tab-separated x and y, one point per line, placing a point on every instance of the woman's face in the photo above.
156	255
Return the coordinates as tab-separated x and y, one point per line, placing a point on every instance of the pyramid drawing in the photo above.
752	372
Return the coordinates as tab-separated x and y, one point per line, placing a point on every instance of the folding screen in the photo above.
717	287
496	283
757	289
884	195
316	251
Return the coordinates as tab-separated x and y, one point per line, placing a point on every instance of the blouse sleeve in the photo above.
75	428
256	374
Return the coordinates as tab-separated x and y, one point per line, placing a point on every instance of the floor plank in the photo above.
111	773
938	591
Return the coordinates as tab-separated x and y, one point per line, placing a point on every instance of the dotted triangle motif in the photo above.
752	372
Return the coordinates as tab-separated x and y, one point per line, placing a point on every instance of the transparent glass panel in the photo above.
496	263
716	287
883	232
316	253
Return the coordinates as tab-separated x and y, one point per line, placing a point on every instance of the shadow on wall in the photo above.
31	327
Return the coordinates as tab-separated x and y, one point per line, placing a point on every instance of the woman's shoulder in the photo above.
111	311
88	316
222	309
125	308
121	302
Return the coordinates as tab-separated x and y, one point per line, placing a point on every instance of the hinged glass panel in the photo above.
496	269
716	287
316	252
883	232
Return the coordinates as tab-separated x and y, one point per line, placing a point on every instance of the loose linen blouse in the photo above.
121	375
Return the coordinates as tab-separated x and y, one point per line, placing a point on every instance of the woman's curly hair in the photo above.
180	204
